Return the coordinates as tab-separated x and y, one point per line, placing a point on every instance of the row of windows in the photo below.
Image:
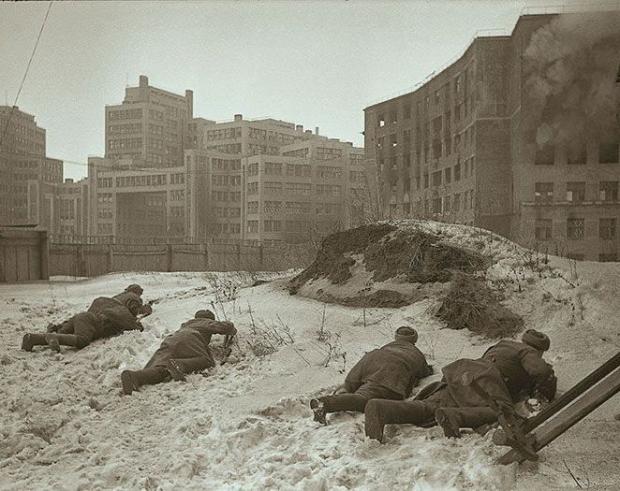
226	164
227	228
575	191
149	180
123	143
225	180
224	212
227	196
125	128
575	229
115	115
609	153
223	134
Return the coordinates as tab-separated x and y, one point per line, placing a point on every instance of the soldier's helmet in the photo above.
134	288
536	339
204	314
406	333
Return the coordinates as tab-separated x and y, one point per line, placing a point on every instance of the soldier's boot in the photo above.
33	339
129	383
380	412
344	402
452	419
56	340
318	408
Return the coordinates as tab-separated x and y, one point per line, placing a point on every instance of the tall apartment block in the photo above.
22	158
476	144
152	127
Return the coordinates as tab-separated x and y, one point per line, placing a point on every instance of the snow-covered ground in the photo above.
65	425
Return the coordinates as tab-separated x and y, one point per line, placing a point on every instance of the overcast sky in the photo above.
314	63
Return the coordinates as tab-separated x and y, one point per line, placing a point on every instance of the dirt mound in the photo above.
471	304
333	259
377	265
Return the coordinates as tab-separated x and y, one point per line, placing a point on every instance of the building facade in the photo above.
22	158
60	208
152	127
466	147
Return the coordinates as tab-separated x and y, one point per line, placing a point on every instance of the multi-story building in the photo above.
22	158
60	208
303	194
465	147
152	127
131	204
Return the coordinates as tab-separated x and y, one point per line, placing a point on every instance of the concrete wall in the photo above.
23	255
98	259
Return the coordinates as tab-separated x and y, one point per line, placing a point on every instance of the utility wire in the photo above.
21	86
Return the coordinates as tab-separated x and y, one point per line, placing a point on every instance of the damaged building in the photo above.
520	136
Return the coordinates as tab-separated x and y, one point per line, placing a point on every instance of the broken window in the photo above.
578	156
607	228
436	205
393	116
543	192
575	228
543	230
608	190
575	191
381	121
608	153
545	155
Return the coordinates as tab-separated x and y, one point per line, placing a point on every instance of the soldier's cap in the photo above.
135	288
406	333
536	339
204	314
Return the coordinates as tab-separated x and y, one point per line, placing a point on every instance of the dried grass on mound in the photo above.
471	304
420	258
331	261
379	298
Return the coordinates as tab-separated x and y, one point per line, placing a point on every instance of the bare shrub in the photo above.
471	304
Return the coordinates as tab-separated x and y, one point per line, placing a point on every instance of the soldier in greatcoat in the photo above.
507	371
184	351
85	327
389	372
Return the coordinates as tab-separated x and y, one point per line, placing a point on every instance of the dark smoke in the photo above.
571	67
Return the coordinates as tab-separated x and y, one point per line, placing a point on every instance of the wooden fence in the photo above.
98	259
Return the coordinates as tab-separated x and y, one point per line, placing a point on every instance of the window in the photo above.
575	228
393	116
608	190
381	121
543	230
577	157
446	204
607	228
456	202
609	257
448	175
545	155
393	140
457	172
575	192
608	153
407	110
543	192
425	181
253	226
272	225
437	178
436	205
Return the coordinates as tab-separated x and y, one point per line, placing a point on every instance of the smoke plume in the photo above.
571	69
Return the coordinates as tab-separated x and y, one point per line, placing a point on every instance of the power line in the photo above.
21	86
